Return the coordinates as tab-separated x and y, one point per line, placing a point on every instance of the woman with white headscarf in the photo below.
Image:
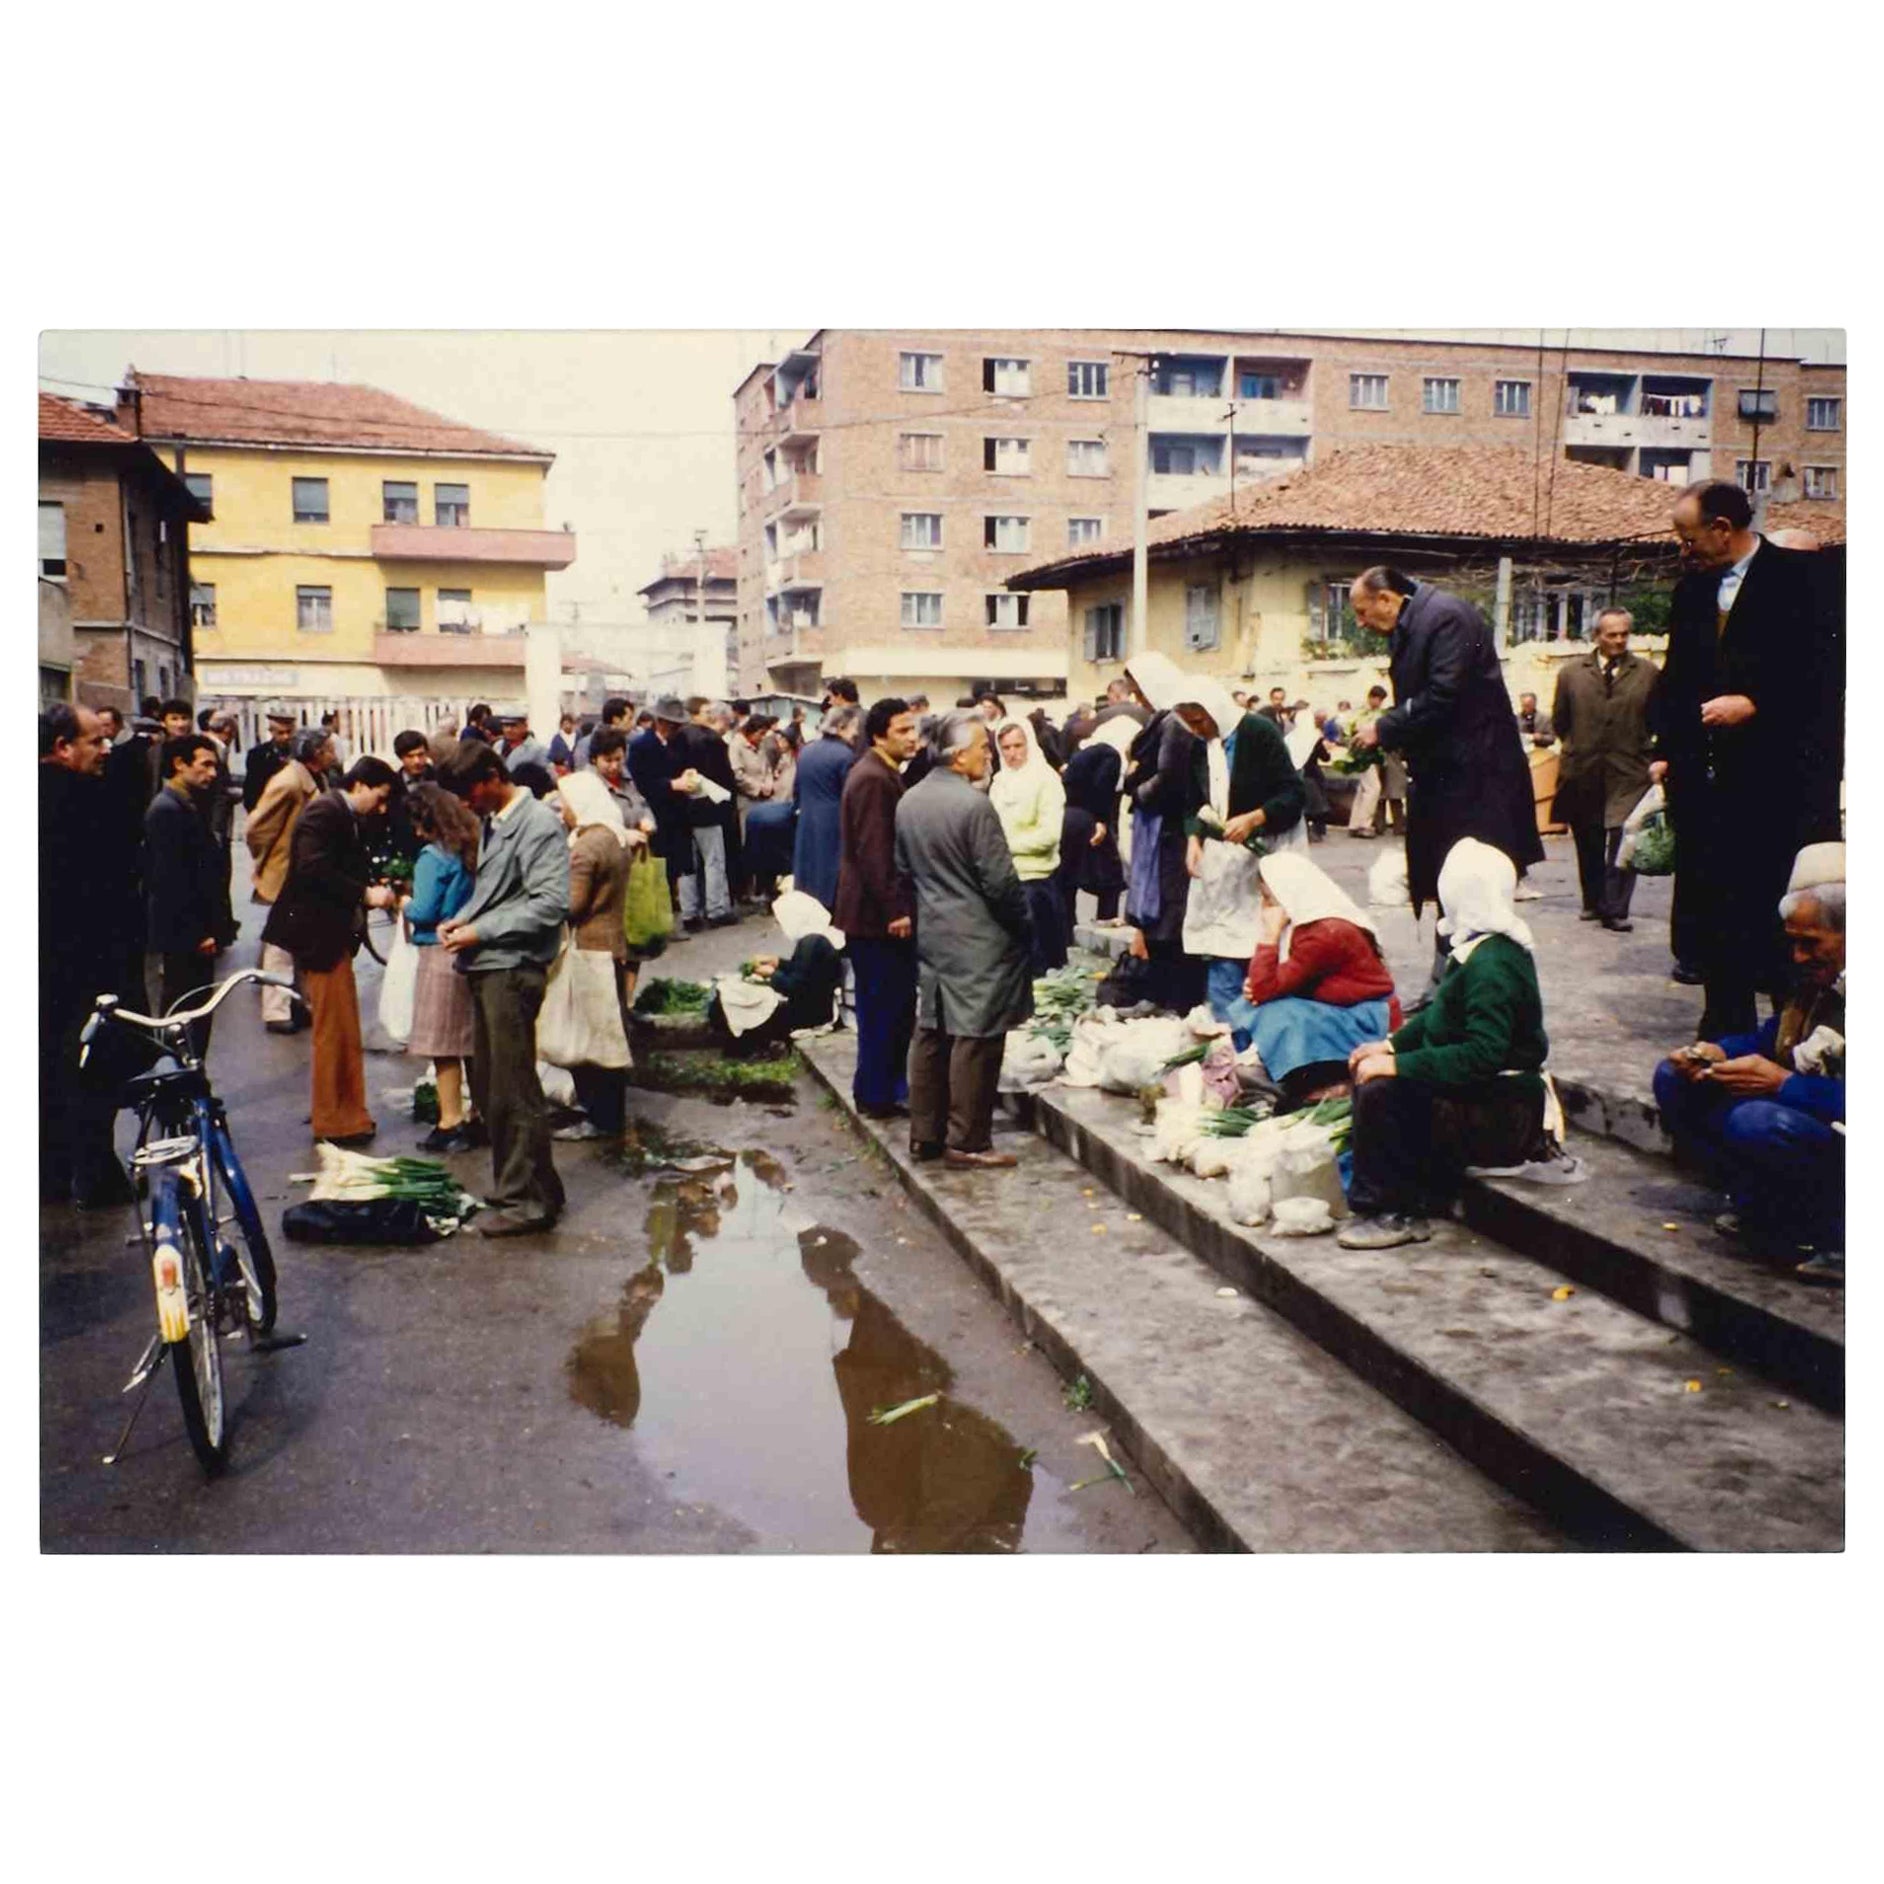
1461	1084
600	848
1027	794
1163	788
1251	801
1318	984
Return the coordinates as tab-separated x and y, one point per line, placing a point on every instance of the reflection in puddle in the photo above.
731	1383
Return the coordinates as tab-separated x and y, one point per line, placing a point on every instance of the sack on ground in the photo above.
1029	1060
398	986
1387	882
384	1220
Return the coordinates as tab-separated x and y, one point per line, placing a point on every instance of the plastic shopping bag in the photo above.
647	908
580	1022
398	987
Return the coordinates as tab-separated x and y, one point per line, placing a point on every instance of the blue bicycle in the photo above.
209	1255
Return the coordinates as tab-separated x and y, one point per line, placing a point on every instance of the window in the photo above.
1822	415
1331	614
310	500
1009	379
1753	475
771	470
1008	534
1367	392
1084	530
314	610
1200	615
52	541
922	608
1176	461
1440	395
1086	458
202	605
922	529
1511	398
451	505
399	502
1258	386
1008	457
919	451
454	611
1105	632
201	486
919	372
402	611
1763	406
1007	611
1187	379
1088	379
1821	480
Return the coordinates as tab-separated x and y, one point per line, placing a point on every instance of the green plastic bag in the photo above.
647	911
1655	848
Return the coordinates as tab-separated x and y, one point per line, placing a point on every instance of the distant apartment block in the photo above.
673	598
889	483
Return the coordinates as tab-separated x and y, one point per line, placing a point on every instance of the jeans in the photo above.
885	972
1776	1162
709	857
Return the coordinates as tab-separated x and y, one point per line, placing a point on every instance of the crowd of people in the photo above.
944	853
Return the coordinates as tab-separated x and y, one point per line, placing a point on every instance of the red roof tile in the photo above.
1826	521
66	422
305	412
722	566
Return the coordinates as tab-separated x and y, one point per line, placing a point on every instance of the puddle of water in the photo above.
747	1358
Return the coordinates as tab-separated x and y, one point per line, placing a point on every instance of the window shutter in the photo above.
1092	634
52	533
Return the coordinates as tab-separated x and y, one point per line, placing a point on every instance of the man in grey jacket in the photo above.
973	981
504	940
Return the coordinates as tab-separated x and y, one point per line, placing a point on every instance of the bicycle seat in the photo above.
173	1082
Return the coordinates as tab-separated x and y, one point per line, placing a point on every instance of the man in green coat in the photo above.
972	978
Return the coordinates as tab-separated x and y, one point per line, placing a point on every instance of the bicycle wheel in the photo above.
197	1359
253	1256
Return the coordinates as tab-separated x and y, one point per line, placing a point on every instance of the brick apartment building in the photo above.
890	482
114	585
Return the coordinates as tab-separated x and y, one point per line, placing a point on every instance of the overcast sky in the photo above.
641	422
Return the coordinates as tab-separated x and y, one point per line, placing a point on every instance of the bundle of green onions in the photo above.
1062	995
1230	1121
350	1177
1356	760
1335	1112
1191	1056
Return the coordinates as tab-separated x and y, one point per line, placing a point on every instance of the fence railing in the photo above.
366	724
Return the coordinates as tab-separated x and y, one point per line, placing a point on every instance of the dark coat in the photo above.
403	840
870	895
972	940
1603	769
818	791
653	766
1162	778
1262	777
705	751
185	879
320	915
1452	721
84	913
1744	799
1091	780
264	762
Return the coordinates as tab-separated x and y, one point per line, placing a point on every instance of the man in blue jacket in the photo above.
1761	1108
505	938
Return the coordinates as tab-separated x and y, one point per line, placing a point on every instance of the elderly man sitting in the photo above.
1766	1110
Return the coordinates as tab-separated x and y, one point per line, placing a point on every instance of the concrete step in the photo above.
1626	1433
1253	1435
1642	1233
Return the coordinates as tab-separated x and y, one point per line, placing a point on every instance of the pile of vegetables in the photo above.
672	997
1356	760
1059	1000
350	1177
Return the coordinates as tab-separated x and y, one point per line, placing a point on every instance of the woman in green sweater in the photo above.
1462	1082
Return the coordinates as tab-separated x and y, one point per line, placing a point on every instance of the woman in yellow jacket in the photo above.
1027	794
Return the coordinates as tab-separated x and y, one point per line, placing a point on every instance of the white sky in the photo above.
641	422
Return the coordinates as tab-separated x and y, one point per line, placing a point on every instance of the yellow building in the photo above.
363	554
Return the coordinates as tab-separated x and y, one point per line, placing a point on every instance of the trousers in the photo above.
1606	889
1775	1161
709	859
952	1080
339	1062
1412	1139
169	977
885	973
504	1005
602	1091
276	1005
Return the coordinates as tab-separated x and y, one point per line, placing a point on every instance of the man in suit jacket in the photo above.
317	919
187	920
1747	724
1452	721
1601	714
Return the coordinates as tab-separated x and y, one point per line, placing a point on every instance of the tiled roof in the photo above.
305	412
66	422
1488	492
1826	521
722	565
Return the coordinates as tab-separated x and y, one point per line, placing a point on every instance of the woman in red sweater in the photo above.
1318	984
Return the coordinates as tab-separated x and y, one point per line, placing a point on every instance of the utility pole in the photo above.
1754	493
1137	634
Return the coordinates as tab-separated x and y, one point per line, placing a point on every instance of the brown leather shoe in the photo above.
980	1160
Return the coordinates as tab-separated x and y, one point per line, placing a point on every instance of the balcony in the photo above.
1165	490
442	543
1179	412
1626	429
1274	418
801	494
447	648
805	570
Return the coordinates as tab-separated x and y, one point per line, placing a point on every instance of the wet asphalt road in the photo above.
687	1364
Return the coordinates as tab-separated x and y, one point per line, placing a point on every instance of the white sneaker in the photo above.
1525	894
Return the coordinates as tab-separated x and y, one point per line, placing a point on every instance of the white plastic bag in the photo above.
1175	1131
1302	1216
1651	801
1249	1191
1386	881
398	986
1136	1056
580	1021
1028	1060
559	1088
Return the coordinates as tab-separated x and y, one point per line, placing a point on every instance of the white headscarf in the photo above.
1027	773
1300	738
1158	678
588	797
800	914
1206	691
1476	883
1016	791
1117	732
1308	894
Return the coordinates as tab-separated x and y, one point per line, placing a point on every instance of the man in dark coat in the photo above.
654	763
1600	713
412	754
876	912
188	923
267	759
1452	721
972	949
818	791
1747	725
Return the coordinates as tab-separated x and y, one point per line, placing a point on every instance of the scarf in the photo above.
1308	894
1476	883
1158	678
589	798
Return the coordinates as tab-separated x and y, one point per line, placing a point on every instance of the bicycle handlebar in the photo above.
108	1008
